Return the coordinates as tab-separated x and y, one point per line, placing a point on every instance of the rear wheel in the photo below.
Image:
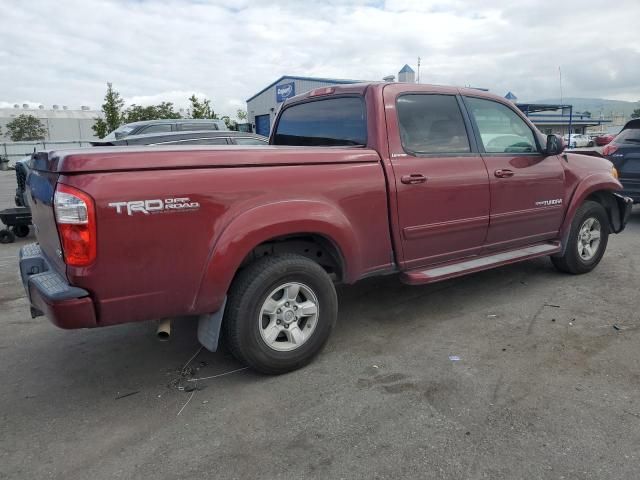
587	240
280	312
7	236
21	230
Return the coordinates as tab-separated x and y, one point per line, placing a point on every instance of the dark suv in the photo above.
624	152
206	137
165	126
228	137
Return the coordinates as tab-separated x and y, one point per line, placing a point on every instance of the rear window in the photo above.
630	135
328	122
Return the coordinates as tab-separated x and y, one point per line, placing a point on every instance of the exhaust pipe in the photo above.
164	329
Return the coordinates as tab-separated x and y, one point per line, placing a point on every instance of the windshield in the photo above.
329	122
119	132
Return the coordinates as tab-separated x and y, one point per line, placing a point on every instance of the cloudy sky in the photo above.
64	51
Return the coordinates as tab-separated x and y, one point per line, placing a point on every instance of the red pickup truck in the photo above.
359	180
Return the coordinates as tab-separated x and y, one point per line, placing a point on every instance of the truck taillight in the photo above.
76	218
609	150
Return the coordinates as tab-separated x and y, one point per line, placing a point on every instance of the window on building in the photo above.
432	124
501	129
327	122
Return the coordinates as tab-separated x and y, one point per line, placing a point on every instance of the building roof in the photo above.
50	113
547	114
406	69
510	96
337	81
541	107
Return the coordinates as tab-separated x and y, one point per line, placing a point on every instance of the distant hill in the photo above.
596	106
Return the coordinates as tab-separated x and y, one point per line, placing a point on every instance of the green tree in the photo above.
26	128
636	113
241	115
137	113
112	111
201	108
231	124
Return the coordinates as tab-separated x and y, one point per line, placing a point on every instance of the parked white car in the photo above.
578	140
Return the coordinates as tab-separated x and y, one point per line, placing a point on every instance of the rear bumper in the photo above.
49	293
633	194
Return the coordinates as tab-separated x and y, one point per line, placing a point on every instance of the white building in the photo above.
62	123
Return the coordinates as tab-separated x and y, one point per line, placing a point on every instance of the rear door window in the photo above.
198	141
194	127
158	127
501	129
432	124
328	122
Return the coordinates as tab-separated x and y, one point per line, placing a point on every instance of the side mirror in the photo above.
555	145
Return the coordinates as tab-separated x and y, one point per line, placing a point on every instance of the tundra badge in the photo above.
549	203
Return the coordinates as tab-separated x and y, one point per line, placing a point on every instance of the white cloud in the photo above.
65	51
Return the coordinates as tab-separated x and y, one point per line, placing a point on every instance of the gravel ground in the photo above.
515	373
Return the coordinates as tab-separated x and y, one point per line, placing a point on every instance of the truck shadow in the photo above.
128	359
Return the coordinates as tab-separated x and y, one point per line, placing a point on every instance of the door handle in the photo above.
503	173
413	179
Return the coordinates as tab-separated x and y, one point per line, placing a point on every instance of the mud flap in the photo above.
209	328
625	205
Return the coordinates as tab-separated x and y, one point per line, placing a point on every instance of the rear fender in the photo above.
603	185
253	227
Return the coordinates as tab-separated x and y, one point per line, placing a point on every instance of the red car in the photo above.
427	182
604	139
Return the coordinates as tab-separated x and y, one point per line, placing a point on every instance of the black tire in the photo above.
590	144
571	261
252	287
21	230
7	236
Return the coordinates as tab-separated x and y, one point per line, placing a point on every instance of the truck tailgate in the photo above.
41	186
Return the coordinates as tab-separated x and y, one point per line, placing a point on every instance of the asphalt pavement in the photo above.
515	373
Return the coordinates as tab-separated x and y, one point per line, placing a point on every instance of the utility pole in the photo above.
418	81
560	73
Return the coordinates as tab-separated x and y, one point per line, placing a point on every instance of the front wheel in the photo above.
587	240
280	312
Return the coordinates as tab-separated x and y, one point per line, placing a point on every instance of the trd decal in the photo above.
548	203
155	206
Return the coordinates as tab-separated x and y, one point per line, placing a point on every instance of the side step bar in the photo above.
477	264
